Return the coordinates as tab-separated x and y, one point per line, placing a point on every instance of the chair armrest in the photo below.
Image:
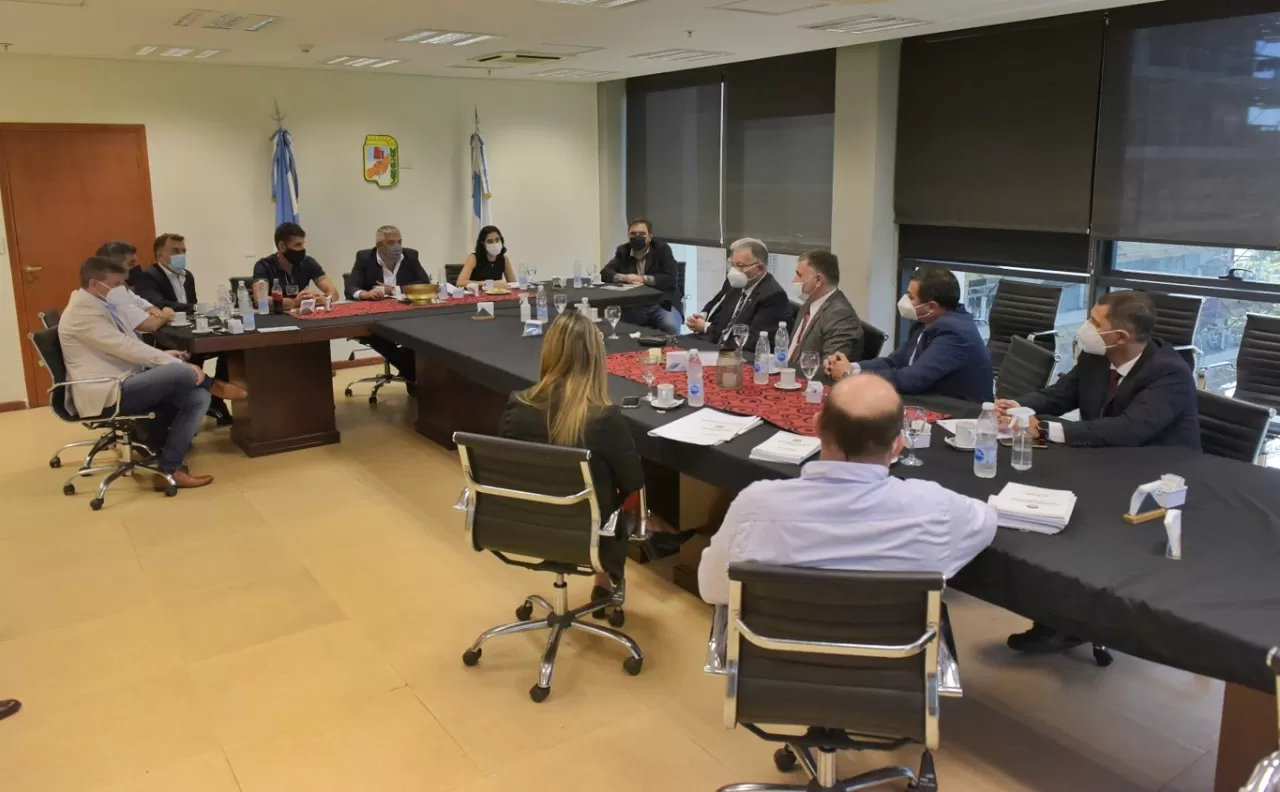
1034	336
1203	373
464	500
717	643
115	392
834	648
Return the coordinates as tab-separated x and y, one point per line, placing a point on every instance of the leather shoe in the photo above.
183	479
9	707
226	390
1042	639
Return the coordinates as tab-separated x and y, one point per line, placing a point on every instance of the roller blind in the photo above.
673	154
779	144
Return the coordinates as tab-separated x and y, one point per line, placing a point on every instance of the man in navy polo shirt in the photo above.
295	270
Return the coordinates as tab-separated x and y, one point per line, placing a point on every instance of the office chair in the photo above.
1266	776
117	429
538	502
1029	310
1257	364
855	658
1177	317
451	273
49	317
378	380
235	282
1232	428
1027	368
873	341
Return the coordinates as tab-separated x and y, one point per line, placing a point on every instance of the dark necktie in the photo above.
1113	384
733	317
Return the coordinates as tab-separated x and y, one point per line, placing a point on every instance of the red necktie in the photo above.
804	324
1113	384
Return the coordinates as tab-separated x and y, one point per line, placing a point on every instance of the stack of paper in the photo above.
1033	509
787	448
706	427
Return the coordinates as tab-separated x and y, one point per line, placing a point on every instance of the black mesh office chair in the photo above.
1029	310
1176	319
451	273
681	267
49	317
236	280
1027	368
1266	776
1257	364
117	430
538	503
873	341
378	380
1232	428
855	658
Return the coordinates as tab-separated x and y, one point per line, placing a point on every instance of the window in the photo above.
1188	261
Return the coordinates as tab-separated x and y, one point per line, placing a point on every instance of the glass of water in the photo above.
915	422
523	275
649	369
561	300
612	315
740	334
809	362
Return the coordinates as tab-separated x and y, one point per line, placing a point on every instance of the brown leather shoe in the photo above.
183	479
225	390
9	707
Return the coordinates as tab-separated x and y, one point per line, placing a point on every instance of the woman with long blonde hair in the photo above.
569	406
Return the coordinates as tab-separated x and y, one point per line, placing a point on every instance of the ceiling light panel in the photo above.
576	74
176	52
444	37
865	24
680	55
361	61
225	20
147	50
596	3
769	7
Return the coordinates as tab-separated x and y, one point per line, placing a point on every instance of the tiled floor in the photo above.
299	626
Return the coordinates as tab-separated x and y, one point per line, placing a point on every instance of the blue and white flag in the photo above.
284	178
481	214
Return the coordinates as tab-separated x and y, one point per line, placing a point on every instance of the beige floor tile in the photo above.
73	661
105	738
1196	778
192	517
305	678
221	562
237	617
207	772
385	744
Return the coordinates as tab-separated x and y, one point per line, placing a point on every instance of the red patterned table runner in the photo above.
391	306
785	409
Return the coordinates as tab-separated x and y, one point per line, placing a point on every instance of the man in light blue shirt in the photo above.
846	511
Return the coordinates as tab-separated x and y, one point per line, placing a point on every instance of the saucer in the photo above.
797	386
954	443
671	405
202	332
498	291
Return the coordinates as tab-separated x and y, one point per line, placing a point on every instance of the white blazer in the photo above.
94	346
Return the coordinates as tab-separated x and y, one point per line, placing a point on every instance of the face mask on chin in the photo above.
295	257
1090	341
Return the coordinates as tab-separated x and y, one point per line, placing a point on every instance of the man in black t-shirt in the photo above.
295	270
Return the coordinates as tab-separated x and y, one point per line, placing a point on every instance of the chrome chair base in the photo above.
123	468
559	620
822	769
378	381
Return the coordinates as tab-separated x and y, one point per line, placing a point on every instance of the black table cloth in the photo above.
1216	612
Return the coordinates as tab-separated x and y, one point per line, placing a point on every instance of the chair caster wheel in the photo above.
471	656
539	694
524	612
55	463
170	491
784	759
348	393
1102	656
69	489
632	665
95	504
617	618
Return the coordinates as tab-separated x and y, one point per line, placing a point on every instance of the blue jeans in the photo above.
179	403
668	320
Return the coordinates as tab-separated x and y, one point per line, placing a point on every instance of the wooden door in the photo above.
66	189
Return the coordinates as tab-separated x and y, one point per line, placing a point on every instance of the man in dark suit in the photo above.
1131	390
827	322
750	296
647	261
943	354
375	275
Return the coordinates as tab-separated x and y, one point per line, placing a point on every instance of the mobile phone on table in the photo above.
1007	442
630	402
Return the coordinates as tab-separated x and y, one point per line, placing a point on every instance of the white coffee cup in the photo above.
965	433
787	377
180	320
666	394
488	285
235	326
202	324
474	288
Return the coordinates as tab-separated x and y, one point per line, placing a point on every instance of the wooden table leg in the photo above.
290	404
449	402
1247	734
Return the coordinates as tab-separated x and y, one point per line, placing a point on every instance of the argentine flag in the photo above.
481	214
284	178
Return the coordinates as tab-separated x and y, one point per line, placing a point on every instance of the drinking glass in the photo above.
612	315
649	368
914	423
561	300
740	334
809	362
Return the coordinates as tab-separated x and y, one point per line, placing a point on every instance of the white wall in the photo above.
210	158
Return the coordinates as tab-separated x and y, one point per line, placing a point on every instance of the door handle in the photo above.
32	269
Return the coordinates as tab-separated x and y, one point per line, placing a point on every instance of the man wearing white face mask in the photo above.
943	353
827	322
750	296
138	313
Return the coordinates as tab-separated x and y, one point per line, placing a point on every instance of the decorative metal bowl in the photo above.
421	293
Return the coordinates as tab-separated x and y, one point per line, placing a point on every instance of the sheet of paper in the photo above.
706	427
786	448
620	286
277	329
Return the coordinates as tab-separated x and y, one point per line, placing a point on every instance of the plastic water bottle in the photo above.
526	310
246	309
764	359
1022	439
694	369
577	274
264	300
242	299
985	443
542	303
781	346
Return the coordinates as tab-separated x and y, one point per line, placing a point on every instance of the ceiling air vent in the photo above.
518	58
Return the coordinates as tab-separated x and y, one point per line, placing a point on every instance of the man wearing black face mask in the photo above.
648	262
293	268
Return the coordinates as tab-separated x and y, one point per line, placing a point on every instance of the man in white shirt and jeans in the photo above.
846	511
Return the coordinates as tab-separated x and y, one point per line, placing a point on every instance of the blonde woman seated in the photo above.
569	406
489	261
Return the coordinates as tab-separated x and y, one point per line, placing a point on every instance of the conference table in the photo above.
288	371
1216	612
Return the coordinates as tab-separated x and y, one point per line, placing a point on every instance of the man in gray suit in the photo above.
827	322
